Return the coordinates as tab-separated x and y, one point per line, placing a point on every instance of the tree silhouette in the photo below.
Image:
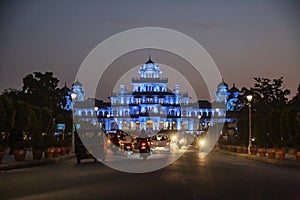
269	99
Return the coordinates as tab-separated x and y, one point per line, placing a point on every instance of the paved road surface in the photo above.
217	176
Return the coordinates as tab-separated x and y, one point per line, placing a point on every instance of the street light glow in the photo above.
201	142
249	98
73	96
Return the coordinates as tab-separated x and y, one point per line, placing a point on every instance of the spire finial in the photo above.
149	61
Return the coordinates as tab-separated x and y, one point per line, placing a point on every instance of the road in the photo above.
217	176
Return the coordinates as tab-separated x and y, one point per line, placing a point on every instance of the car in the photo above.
137	141
160	142
116	140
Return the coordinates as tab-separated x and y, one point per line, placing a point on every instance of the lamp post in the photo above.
108	122
217	121
73	96
199	117
96	109
249	98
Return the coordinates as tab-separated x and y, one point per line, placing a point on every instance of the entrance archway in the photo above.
137	125
149	125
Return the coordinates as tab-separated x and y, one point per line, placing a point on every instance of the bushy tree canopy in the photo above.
272	114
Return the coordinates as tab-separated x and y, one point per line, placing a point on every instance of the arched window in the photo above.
89	113
209	114
181	102
172	113
137	125
114	126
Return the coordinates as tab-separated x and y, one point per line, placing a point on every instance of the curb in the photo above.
283	163
33	163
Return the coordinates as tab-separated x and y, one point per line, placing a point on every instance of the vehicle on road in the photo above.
116	140
128	145
144	147
199	142
160	142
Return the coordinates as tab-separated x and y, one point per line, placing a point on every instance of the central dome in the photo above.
149	70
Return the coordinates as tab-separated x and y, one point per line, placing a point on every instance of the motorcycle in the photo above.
144	148
128	149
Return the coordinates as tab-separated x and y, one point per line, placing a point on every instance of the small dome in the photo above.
149	65
65	86
77	83
234	89
149	61
223	84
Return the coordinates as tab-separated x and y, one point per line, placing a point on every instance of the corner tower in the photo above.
77	88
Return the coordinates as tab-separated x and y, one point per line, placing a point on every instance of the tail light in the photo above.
167	143
143	145
152	143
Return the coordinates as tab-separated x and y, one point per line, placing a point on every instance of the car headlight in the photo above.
174	138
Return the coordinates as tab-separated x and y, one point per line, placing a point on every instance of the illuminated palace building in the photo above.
152	106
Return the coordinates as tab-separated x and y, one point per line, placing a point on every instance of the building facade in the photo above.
152	106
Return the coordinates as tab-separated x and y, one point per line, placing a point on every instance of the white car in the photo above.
160	142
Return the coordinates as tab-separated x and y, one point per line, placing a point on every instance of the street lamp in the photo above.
73	96
199	117
217	111
96	109
249	98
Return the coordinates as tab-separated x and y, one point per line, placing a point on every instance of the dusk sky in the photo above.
245	38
